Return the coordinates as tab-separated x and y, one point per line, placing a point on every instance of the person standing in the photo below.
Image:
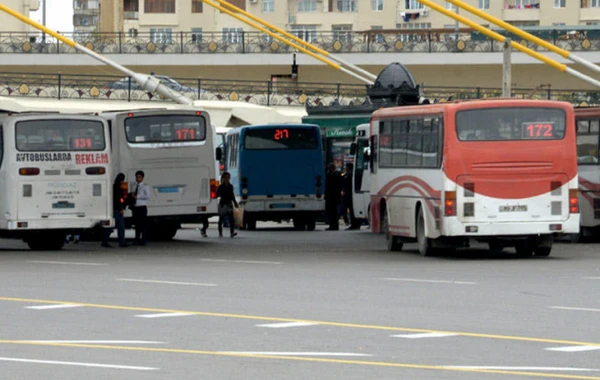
347	204
140	209
332	197
227	200
118	212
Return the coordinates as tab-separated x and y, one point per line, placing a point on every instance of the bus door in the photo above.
362	179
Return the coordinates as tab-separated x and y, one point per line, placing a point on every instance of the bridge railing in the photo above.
250	42
269	93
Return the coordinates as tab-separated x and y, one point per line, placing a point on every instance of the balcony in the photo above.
589	14
131	15
517	12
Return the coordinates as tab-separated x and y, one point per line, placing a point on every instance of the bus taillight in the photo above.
29	171
318	185
214	185
573	201
244	187
450	203
95	170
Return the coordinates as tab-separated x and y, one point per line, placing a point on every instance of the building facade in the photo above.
11	24
306	18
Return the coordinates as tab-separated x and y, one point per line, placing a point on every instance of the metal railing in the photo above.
372	41
284	93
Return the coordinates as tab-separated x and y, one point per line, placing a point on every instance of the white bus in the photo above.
361	188
176	150
55	177
501	171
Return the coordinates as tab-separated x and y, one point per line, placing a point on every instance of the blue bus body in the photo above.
277	172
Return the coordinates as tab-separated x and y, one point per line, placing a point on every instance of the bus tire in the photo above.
311	223
524	248
47	242
393	243
299	223
543	246
425	248
251	224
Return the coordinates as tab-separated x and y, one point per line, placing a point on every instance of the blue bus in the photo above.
278	173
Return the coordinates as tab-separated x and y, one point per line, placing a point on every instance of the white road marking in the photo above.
166	282
573	308
243	261
287	324
431	281
591	278
93	341
292	353
47	307
96	365
424	335
161	315
65	263
574	348
565	369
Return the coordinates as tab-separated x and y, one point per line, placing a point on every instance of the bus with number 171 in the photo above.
501	171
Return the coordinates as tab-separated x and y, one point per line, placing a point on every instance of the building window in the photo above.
413	4
159	6
379	38
342	33
560	3
590	3
524	3
307	5
233	35
307	33
197	35
196	6
417	26
484	4
377	5
346	6
268	6
161	35
450	6
558	24
238	3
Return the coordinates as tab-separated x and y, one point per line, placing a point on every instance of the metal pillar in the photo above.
507	70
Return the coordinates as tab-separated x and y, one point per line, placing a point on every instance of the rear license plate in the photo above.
282	205
168	189
513	208
63	205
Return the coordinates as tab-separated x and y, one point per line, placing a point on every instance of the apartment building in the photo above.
164	18
11	24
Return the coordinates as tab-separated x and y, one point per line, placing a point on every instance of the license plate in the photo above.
513	208
168	189
63	205
282	205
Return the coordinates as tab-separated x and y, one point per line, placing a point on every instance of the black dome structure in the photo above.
395	84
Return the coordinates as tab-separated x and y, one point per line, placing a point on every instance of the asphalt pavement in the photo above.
282	304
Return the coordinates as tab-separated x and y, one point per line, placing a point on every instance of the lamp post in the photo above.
44	19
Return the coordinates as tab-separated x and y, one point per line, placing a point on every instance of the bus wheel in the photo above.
47	242
524	248
311	223
543	246
424	242
251	224
299	224
393	243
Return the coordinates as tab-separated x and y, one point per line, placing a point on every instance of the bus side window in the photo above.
1	144
373	157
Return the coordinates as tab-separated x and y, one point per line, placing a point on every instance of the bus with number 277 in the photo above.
500	171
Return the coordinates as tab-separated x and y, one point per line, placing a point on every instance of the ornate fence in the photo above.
288	93
372	41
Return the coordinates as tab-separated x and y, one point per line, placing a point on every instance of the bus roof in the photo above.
437	108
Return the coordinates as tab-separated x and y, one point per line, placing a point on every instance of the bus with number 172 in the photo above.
501	171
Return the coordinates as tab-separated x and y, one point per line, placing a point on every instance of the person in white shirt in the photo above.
140	210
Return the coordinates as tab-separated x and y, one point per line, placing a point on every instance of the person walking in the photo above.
140	209
227	200
333	193
118	205
347	204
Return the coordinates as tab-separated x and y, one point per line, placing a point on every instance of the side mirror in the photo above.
353	149
219	154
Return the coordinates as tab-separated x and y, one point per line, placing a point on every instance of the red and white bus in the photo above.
588	160
500	171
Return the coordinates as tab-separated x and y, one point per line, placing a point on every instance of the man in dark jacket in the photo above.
347	204
333	192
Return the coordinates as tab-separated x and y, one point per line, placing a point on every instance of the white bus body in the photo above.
55	177
176	151
588	159
361	188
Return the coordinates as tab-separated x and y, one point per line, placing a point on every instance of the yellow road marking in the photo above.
324	323
304	359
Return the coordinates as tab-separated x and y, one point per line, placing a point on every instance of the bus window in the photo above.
170	128
587	142
281	138
507	123
59	135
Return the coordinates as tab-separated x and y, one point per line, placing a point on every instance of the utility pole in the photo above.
507	70
456	24
44	19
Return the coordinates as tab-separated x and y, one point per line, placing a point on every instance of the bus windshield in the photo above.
165	128
281	138
59	135
514	123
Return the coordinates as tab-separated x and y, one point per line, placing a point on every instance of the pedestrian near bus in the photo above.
333	194
347	204
141	195
118	206
227	200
